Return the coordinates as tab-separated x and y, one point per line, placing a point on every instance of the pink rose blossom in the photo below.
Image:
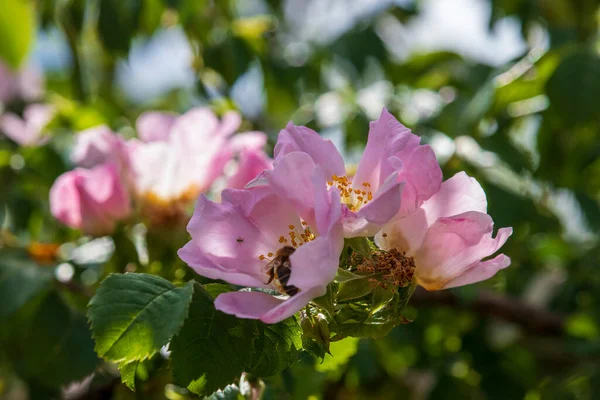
187	159
27	131
448	235
250	158
91	200
395	174
97	145
236	240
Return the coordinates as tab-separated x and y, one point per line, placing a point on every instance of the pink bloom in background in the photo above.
26	84
180	157
395	173
97	145
240	239
27	131
448	235
250	158
155	125
92	200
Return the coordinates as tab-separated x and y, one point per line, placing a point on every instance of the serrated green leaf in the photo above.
134	315
127	371
211	349
20	281
17	30
341	352
276	347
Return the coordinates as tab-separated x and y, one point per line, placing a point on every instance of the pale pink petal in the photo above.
480	271
200	122
378	149
457	195
222	268
292	305
248	141
90	200
403	233
27	131
291	178
155	126
244	304
385	204
323	152
453	244
249	165
315	263
267	308
96	145
230	122
328	207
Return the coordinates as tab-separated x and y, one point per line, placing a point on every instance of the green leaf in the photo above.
574	88
53	345
134	315
341	352
215	289
211	349
276	347
354	289
17	30
343	275
231	392
20	280
127	371
360	245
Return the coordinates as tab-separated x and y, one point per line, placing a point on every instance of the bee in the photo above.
280	268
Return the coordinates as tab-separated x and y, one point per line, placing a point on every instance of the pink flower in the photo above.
251	160
448	235
27	131
185	159
395	174
241	239
97	145
155	126
91	200
26	84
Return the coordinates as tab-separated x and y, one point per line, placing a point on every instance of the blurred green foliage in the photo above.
528	130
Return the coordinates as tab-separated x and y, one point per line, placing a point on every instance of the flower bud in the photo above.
91	200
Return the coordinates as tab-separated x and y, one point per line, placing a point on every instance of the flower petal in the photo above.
403	233
250	164
323	152
480	271
155	126
267	308
291	178
315	263
96	145
453	244
457	195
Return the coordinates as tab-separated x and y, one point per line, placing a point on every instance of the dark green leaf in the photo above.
53	346
20	281
360	245
276	347
134	315
354	289
127	371
212	348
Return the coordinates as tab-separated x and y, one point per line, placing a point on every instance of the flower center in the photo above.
395	268
353	198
